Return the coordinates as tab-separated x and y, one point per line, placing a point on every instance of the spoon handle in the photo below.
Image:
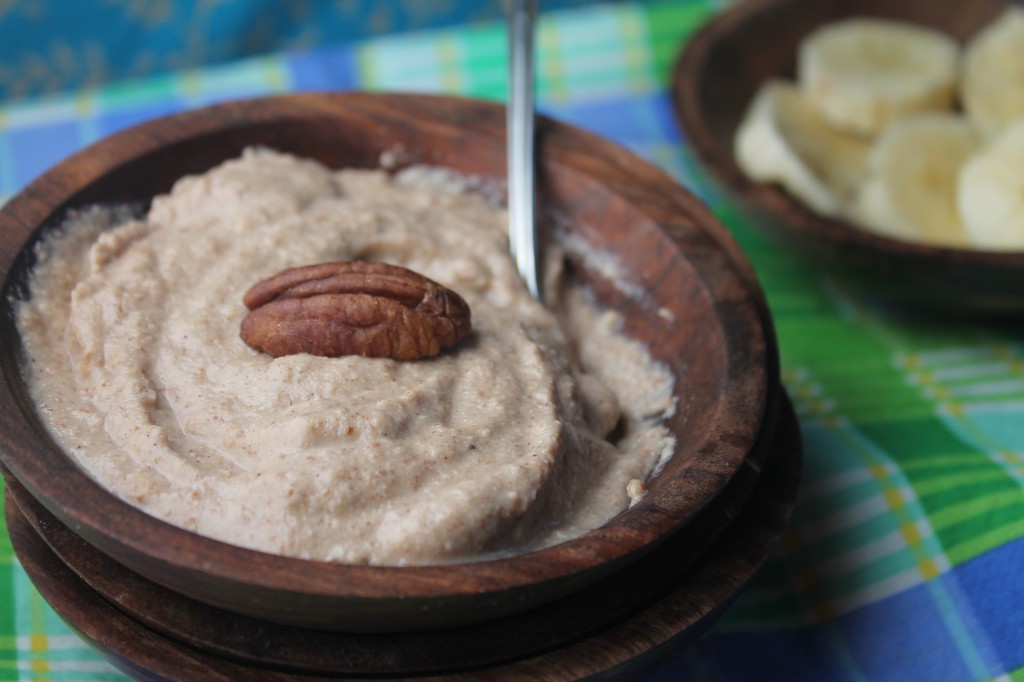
521	15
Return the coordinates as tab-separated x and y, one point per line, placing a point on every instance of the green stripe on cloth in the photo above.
437	62
594	54
30	621
856	538
249	78
126	94
8	631
864	389
485	68
6	550
999	515
582	54
44	648
923	441
669	23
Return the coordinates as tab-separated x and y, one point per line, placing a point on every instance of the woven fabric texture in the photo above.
902	561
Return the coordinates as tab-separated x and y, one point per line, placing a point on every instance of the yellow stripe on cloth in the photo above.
38	640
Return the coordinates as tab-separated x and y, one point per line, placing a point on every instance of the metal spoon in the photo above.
521	15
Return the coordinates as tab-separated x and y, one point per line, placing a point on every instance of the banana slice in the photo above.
864	73
911	192
783	139
992	80
990	195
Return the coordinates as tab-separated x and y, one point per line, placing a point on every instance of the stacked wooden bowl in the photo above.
163	602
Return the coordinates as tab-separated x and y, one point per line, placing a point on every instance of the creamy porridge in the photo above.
528	432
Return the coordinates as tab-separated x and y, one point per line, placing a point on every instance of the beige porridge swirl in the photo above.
497	445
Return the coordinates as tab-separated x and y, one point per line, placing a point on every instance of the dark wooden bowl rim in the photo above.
88	509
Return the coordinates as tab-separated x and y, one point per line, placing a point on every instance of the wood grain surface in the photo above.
699	310
716	76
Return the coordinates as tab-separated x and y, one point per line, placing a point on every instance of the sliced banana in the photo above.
990	194
911	190
992	80
783	139
864	73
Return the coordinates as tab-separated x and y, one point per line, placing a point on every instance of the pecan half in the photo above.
353	308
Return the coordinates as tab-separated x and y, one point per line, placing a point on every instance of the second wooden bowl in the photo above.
714	80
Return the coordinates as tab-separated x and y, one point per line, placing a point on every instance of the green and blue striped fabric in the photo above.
54	45
903	558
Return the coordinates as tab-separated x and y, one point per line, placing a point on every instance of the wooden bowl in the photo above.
694	303
715	78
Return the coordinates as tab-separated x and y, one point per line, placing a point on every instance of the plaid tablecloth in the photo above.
905	554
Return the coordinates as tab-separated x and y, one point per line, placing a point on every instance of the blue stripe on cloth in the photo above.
997	612
7	185
968	634
904	632
790	656
642	119
334	69
88	130
663	117
908	636
35	148
112	121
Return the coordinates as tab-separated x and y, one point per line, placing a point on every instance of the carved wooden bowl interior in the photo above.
715	78
700	312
